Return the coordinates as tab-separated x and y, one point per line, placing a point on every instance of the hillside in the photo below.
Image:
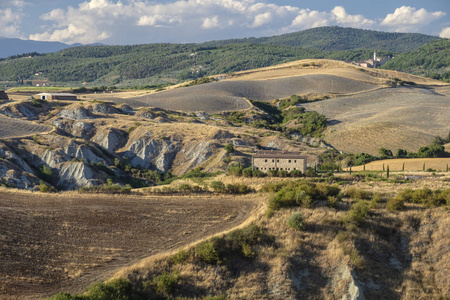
431	60
339	39
147	65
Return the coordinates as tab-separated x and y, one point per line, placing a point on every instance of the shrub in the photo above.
234	169
358	212
218	186
180	257
295	173
166	284
395	204
295	221
116	289
356	193
238	188
229	148
247	172
207	252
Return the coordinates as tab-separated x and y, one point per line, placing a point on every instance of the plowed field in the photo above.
229	95
391	118
17	128
50	243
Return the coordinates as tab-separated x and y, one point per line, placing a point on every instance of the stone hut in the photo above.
57	96
266	160
3	95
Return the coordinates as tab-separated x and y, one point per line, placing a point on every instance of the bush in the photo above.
218	186
180	257
166	284
208	252
358	212
356	193
247	172
229	148
395	204
295	221
238	188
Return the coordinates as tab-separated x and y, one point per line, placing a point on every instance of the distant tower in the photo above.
375	56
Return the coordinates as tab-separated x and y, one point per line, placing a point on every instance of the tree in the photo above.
401	153
229	148
383	152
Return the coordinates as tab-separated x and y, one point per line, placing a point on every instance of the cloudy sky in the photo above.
151	21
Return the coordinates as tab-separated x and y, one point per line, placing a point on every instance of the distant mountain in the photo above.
11	46
339	38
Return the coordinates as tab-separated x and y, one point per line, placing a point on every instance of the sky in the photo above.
121	22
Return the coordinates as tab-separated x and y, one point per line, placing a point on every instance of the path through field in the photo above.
51	243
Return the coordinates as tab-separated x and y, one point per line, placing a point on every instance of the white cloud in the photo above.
342	18
445	33
209	23
407	18
128	21
9	23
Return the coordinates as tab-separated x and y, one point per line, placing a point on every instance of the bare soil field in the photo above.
404	117
229	95
408	164
51	243
18	128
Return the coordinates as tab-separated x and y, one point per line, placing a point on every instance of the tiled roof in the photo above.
278	154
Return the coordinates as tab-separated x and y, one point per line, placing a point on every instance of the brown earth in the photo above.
68	241
392	118
19	128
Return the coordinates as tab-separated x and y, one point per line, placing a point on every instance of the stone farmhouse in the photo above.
3	95
266	160
57	96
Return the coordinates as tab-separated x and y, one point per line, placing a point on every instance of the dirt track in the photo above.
52	243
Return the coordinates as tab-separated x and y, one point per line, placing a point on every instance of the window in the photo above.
289	161
295	168
278	160
273	160
295	161
265	160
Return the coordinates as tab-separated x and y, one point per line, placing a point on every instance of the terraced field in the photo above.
229	95
393	118
66	242
406	164
18	128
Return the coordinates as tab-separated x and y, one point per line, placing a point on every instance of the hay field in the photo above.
230	95
410	164
68	241
19	128
404	117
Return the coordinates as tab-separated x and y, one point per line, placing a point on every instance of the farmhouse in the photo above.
56	96
266	160
3	95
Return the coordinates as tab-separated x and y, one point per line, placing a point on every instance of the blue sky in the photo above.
151	21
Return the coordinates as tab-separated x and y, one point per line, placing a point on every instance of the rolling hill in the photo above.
162	63
11	46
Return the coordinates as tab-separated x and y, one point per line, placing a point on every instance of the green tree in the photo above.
229	148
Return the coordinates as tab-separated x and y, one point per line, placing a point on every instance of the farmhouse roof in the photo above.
58	94
278	154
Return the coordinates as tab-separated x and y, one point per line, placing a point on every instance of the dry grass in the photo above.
406	164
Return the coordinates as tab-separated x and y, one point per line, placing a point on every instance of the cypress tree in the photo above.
364	168
383	167
387	172
350	170
423	168
403	167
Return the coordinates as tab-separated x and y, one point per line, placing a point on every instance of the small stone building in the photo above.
57	96
3	95
266	160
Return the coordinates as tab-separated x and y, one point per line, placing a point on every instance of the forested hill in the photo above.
161	63
340	38
431	60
